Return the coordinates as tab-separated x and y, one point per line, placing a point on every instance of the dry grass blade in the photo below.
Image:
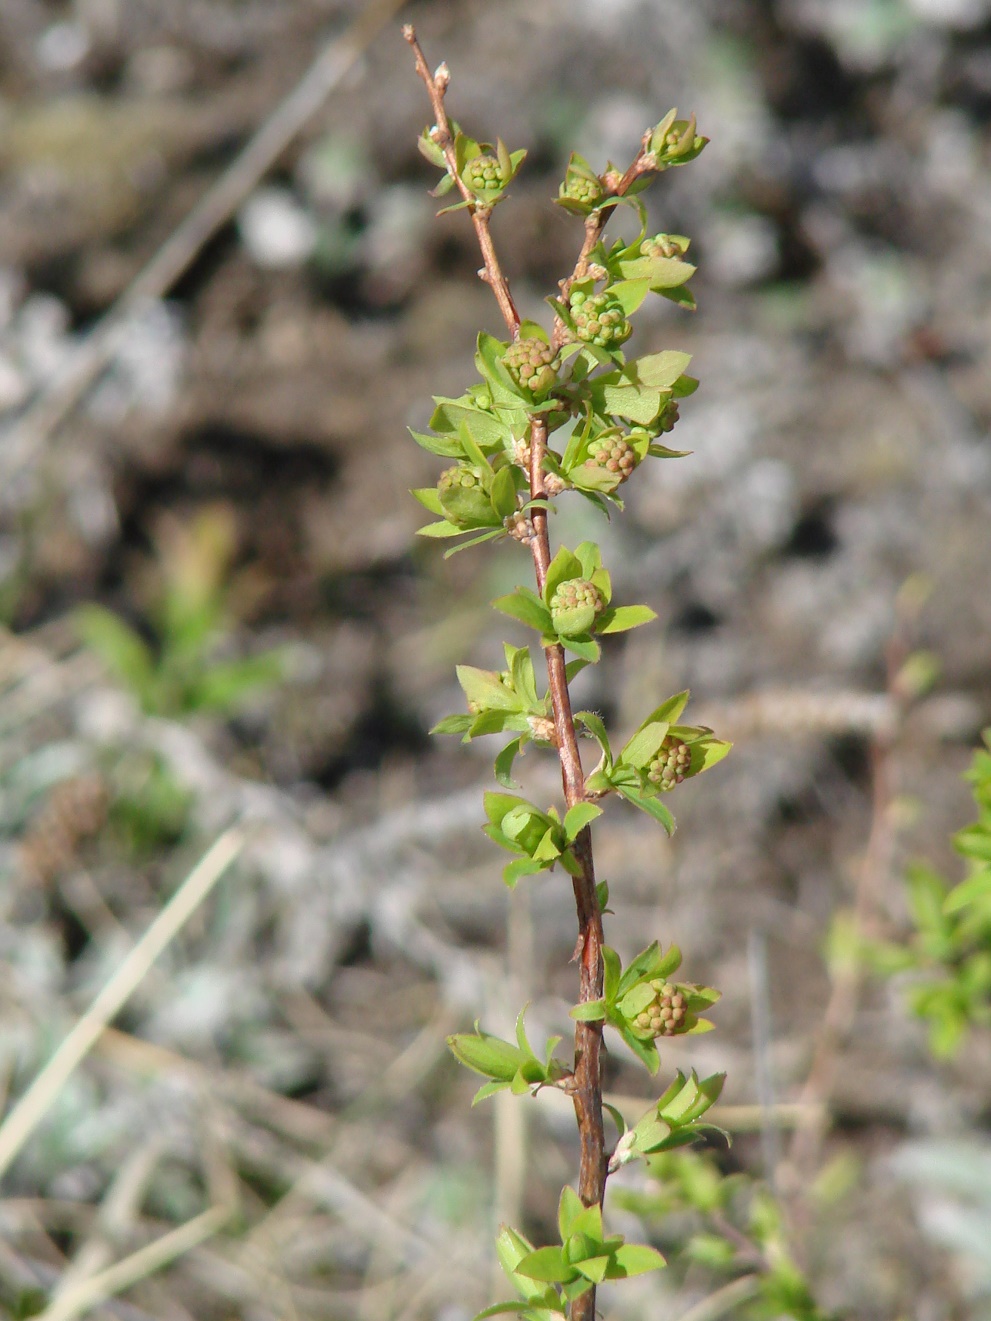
93	1291
36	1101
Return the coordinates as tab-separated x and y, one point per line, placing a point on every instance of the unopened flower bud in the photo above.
574	606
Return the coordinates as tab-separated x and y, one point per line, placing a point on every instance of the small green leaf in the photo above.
593	1268
484	1054
527	607
593	1011
563	566
569	1208
644	745
547	1264
504	764
634	1259
578	817
660	370
620	618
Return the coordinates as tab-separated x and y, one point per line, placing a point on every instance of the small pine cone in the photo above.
482	173
575	605
519	527
580	189
615	454
542	729
532	364
671	764
599	319
663	245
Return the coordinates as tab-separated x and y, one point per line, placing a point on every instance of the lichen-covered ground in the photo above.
234	489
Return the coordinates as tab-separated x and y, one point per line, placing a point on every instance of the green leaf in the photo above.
630	293
473	541
652	806
644	745
503	765
485	689
578	817
527	607
453	725
442	529
547	1264
524	681
484	1054
592	1011
976	887
429	497
569	1208
562	567
588	650
118	646
612	969
620	618
974	842
659	370
503	494
446	446
593	1268
514	872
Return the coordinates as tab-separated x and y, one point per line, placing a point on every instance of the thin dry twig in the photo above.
37	1100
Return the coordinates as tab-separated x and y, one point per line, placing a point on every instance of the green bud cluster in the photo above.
575	605
532	364
615	454
664	1016
460	474
671	764
482	173
599	319
585	191
664	245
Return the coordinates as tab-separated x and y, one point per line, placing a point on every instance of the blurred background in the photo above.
214	610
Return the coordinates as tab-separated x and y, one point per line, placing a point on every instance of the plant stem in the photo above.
587	1081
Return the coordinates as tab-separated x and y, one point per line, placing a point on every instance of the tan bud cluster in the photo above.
542	729
615	454
671	765
519	527
665	1014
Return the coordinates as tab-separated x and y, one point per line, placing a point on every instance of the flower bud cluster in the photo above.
532	364
519	527
542	729
664	245
575	605
599	319
460	474
665	1014
615	454
583	190
671	764
483	173
666	418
